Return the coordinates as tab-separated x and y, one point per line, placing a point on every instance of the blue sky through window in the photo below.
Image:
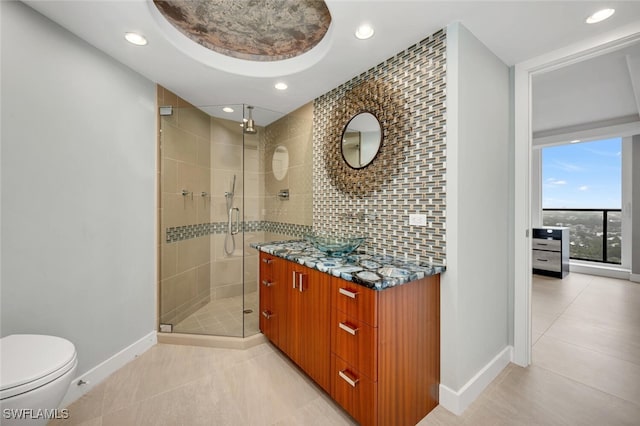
583	175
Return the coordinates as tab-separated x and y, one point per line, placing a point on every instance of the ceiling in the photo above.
513	30
597	93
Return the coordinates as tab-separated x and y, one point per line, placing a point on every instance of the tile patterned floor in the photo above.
223	317
586	371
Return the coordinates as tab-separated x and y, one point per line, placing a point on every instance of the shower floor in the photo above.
223	317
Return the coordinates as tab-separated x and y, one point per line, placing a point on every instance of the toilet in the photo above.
35	374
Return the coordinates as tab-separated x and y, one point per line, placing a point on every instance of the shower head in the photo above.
250	125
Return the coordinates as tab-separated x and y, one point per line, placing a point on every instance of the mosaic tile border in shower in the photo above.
181	233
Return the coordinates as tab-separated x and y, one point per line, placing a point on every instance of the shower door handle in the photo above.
237	210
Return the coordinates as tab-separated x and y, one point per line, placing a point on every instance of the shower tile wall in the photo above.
418	185
185	163
294	132
227	159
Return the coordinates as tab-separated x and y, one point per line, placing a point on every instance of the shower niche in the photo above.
218	194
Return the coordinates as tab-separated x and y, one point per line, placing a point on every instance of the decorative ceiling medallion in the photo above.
255	30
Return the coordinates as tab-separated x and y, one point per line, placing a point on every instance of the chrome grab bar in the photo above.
237	220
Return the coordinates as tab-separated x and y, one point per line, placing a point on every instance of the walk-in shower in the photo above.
208	276
219	194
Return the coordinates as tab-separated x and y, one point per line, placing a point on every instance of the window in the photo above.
582	189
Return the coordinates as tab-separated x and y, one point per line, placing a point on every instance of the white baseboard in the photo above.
103	370
634	277
600	270
458	401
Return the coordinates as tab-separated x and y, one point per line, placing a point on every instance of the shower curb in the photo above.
212	341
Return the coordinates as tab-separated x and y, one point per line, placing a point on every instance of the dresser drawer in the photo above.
354	392
355	342
547	260
355	300
543	244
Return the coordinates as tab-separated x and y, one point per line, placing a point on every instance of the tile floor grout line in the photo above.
577	345
557	373
566	307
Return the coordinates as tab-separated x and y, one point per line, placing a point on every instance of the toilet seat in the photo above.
30	361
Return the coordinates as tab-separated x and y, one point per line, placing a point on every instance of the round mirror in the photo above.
280	162
361	140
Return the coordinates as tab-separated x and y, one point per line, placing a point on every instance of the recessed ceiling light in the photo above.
364	32
135	38
281	86
227	109
600	15
575	141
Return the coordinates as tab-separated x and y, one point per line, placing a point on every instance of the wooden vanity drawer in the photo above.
267	262
354	392
544	244
355	300
355	342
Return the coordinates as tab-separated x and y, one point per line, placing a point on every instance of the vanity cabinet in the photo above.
294	314
385	350
307	324
377	353
273	304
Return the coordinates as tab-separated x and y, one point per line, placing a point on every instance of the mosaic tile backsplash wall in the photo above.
417	183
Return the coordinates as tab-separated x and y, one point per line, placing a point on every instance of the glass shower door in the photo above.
202	185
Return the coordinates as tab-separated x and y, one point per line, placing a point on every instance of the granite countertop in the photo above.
372	271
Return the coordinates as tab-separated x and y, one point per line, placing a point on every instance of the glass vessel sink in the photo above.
332	245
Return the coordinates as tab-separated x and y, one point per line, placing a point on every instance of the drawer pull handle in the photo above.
350	330
267	314
346	378
348	293
267	261
542	260
267	283
294	279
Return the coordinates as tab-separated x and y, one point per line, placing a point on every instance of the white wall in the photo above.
78	190
475	288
